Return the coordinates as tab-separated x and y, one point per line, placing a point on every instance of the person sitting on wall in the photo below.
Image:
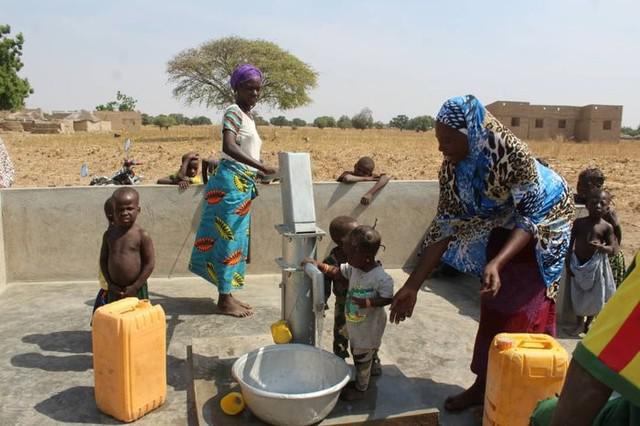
363	172
188	172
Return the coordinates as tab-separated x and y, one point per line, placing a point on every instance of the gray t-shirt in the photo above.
365	326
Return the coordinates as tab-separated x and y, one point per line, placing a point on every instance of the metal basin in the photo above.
292	384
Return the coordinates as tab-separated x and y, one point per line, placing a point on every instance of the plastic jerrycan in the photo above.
129	358
523	369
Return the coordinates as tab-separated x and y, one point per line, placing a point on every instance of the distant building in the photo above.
129	121
586	123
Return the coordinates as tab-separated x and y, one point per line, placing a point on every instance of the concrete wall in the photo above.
54	234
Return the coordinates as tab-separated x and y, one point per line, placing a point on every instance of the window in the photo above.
515	121
606	125
562	124
539	123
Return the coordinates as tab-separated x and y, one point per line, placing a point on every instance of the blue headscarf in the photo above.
466	114
498	184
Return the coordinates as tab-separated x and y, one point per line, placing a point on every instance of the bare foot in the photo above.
241	303
470	397
227	305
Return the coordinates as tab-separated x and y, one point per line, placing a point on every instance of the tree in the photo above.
179	118
630	131
324	121
421	123
363	119
122	103
164	121
260	121
399	122
201	75
298	122
378	125
147	119
199	121
13	89
280	121
344	122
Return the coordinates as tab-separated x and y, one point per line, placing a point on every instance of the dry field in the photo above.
55	160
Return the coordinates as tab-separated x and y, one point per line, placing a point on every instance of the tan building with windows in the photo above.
586	123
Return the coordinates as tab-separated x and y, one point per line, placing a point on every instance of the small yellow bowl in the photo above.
281	332
232	403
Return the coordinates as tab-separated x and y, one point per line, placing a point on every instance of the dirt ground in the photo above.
55	160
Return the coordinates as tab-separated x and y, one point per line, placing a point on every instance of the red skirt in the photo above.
521	305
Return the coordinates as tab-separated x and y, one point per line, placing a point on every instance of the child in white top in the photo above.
370	289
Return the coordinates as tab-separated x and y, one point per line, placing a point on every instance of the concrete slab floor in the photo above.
46	362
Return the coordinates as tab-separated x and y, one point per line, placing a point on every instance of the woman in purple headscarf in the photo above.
222	241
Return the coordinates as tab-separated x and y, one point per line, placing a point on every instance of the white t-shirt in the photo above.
243	126
365	326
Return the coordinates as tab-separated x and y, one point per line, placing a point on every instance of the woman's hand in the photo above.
403	303
491	279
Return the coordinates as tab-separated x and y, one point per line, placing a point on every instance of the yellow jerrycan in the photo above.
129	358
523	369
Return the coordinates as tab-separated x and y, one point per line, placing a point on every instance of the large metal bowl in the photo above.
292	385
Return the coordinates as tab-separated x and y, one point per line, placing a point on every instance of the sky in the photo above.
394	57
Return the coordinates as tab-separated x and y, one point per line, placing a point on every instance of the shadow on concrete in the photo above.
77	342
184	305
412	260
74	405
461	290
187	242
341	191
52	362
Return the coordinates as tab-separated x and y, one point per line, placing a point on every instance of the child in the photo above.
188	172
339	228
591	180
127	257
592	239
370	289
101	298
363	172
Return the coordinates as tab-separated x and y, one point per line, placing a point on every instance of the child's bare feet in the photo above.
227	305
468	398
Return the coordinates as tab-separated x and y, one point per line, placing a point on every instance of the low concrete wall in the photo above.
54	234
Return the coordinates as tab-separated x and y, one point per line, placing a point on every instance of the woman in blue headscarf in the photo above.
502	216
222	241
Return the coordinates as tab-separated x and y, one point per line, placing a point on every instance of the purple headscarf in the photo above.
244	73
